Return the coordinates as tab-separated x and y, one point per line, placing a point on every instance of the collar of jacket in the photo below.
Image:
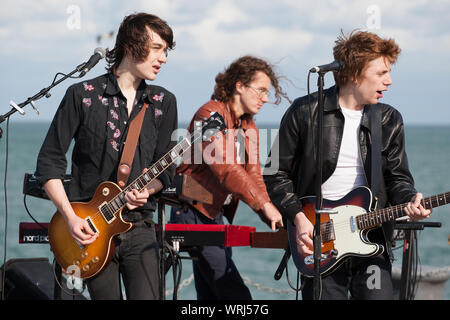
246	119
331	103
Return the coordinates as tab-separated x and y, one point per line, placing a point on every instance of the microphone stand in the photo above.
44	92
316	234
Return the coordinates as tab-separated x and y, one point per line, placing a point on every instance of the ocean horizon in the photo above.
428	155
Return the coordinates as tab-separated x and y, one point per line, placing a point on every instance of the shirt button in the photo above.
124	122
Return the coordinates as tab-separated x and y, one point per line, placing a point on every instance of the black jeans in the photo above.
136	258
365	279
215	274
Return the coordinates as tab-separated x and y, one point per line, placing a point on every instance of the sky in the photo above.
40	38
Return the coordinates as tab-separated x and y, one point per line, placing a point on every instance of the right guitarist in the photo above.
347	148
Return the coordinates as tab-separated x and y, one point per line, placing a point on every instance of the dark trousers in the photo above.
215	274
364	278
136	258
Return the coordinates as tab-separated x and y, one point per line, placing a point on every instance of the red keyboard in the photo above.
187	235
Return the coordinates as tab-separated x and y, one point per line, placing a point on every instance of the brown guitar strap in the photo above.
124	169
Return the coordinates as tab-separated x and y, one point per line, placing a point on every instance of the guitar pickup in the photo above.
106	212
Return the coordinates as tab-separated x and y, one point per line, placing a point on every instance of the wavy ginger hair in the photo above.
357	49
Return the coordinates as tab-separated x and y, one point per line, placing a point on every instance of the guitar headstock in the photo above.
209	127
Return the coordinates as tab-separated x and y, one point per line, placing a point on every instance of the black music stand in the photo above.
410	229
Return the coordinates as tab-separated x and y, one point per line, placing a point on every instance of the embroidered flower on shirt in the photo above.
114	144
116	133
114	115
103	100
115	102
158	97
111	125
87	102
158	112
88	87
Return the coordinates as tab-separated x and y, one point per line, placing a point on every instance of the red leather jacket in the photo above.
219	172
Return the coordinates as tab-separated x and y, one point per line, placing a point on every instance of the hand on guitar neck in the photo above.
137	199
415	209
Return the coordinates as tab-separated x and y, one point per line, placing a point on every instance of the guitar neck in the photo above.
375	218
153	172
205	131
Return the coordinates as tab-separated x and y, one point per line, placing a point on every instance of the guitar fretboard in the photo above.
375	218
109	209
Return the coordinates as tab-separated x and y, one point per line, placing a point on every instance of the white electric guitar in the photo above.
346	233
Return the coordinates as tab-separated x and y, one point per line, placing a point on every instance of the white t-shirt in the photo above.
349	172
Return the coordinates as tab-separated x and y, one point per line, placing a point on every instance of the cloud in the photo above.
210	34
225	31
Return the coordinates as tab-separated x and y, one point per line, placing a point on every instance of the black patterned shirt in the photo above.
94	114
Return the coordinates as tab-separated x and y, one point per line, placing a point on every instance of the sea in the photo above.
428	154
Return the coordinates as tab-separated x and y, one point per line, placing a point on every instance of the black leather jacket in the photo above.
295	177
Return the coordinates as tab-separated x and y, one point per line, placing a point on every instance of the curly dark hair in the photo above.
133	38
357	49
243	70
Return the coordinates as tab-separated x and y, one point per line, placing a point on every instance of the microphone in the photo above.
99	53
334	66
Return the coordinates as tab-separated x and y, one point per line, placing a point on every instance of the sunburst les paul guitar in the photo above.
103	212
346	233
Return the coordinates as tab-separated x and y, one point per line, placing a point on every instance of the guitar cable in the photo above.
5	247
415	265
70	293
55	276
31	216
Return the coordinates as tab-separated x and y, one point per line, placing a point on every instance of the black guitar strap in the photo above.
375	132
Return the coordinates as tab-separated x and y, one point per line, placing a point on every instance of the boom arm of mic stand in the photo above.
39	95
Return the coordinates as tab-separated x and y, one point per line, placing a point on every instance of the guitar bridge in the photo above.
91	224
324	256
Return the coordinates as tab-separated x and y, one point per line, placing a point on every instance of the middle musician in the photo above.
229	168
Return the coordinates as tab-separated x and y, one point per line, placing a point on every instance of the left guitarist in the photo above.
96	113
347	148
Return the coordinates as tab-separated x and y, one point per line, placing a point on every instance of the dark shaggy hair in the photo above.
133	38
359	48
